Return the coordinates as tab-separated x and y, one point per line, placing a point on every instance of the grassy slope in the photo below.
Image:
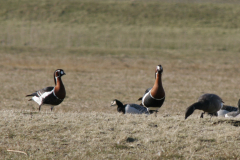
113	24
109	49
125	13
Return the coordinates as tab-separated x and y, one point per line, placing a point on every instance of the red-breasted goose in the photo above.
51	95
154	97
129	108
234	113
210	103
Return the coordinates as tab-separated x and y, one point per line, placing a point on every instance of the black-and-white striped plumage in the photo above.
129	108
48	95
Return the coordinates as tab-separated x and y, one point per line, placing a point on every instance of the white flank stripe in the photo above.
45	94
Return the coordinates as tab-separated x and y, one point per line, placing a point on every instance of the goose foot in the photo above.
202	115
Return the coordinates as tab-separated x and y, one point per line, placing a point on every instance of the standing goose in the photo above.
154	97
129	108
210	103
234	113
51	95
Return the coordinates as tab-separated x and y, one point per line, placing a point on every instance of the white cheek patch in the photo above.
113	103
61	72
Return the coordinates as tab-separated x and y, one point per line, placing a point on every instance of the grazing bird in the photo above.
51	95
154	97
129	108
234	113
210	103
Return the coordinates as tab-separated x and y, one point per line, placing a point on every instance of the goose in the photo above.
129	108
226	109
154	97
210	103
50	95
234	113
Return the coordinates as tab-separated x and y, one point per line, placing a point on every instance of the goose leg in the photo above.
39	108
211	117
202	115
148	111
52	108
156	113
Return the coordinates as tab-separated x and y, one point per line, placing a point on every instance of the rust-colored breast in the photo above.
157	90
59	89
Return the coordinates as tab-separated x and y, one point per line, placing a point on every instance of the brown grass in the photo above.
92	81
79	128
99	135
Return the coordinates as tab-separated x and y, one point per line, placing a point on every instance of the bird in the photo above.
210	103
129	108
51	95
234	113
226	109
154	97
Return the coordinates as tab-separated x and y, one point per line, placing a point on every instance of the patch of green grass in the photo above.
207	140
141	13
50	25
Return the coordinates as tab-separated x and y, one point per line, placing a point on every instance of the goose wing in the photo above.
147	90
229	108
41	92
136	109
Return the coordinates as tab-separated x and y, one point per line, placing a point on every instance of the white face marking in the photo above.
158	68
61	72
56	72
113	103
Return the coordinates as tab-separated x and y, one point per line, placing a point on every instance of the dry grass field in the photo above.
109	50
